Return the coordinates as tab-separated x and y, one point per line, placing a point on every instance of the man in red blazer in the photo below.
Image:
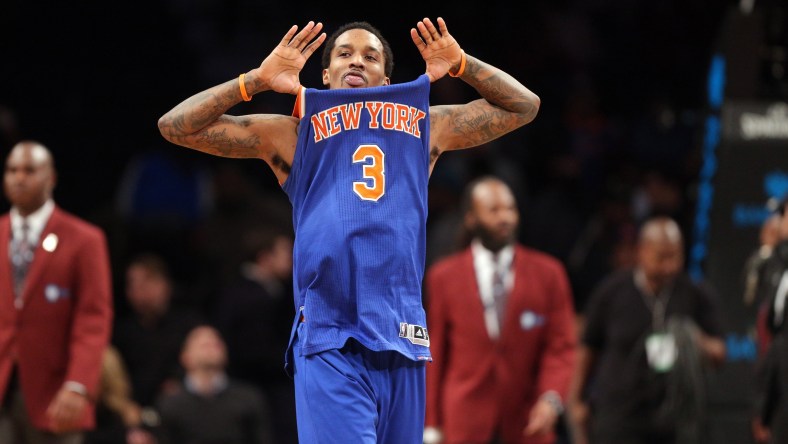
55	316
501	324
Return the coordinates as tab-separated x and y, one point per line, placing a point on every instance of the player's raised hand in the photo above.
280	70
437	47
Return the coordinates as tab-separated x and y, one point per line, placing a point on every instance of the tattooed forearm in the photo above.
209	109
501	89
505	106
196	112
475	123
199	123
219	143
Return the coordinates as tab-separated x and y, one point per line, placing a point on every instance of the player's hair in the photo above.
388	55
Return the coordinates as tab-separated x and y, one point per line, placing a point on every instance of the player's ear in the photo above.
325	77
387	81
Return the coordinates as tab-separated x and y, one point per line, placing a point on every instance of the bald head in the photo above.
29	176
660	251
661	229
37	150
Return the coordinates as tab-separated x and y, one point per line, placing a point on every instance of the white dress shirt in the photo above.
485	265
35	222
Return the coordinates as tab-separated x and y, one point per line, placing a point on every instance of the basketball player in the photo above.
355	162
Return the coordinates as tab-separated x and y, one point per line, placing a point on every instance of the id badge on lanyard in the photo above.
661	351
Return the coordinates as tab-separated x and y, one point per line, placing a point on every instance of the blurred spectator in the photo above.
661	136
150	335
210	407
55	310
606	243
162	193
772	401
444	225
557	211
240	205
118	418
755	269
768	237
502	332
593	139
647	331
658	194
162	198
254	314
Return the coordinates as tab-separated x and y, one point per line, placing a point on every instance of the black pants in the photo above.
609	429
15	426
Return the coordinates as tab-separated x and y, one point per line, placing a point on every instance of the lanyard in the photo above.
656	303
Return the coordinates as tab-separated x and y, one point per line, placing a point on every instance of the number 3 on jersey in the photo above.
374	172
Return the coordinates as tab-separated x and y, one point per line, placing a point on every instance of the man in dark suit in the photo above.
772	387
501	324
55	308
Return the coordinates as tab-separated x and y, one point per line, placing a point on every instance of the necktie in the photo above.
21	257
499	292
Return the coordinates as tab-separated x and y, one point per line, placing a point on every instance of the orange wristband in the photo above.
242	85
462	67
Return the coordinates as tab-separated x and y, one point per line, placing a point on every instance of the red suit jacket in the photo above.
63	327
476	384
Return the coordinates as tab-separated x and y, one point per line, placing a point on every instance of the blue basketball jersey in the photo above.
358	187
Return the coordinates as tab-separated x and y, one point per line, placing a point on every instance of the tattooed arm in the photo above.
200	122
505	104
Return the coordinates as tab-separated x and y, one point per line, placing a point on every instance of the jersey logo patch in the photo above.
416	334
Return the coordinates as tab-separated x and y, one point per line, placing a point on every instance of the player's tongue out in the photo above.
354	80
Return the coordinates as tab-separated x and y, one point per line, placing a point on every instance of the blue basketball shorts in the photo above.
359	396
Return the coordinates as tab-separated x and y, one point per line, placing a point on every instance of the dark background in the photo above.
91	78
619	135
621	83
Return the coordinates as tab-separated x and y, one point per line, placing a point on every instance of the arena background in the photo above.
635	95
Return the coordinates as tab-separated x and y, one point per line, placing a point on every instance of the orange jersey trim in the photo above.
298	107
